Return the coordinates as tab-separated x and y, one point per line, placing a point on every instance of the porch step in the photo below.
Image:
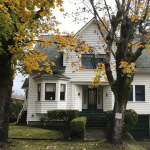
96	119
90	113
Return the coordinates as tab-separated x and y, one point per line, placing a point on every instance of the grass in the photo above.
32	132
12	124
42	145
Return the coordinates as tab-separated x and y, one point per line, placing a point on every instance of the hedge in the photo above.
62	115
77	126
130	119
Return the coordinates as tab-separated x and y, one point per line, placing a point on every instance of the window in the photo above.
137	93
90	61
62	91
50	89
140	92
39	91
131	95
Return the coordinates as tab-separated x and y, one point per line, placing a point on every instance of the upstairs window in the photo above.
62	91
39	91
90	61
50	91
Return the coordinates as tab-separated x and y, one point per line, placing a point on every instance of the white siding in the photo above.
141	107
85	97
78	97
41	107
85	75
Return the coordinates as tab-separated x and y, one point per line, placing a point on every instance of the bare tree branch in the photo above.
107	9
118	4
96	14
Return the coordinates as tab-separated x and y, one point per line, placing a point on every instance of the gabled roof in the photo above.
51	76
51	51
85	26
25	84
143	62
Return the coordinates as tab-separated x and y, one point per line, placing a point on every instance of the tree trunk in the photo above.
116	125
6	83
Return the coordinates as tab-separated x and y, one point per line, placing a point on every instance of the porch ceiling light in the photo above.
79	94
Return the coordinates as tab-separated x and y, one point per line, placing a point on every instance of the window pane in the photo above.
50	87
49	95
140	92
88	61
62	91
62	95
39	91
62	87
131	95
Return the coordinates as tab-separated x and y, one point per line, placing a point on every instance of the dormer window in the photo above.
90	61
50	91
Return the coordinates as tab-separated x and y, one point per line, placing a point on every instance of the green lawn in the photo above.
30	132
42	145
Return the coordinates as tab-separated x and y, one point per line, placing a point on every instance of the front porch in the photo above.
91	103
85	98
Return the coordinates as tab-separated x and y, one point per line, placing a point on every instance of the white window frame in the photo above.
55	92
63	82
134	100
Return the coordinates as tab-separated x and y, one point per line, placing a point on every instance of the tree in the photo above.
124	25
22	21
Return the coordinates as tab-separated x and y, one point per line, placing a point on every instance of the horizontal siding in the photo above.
78	98
107	100
41	107
91	39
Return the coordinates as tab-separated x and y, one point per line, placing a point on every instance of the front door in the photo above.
92	99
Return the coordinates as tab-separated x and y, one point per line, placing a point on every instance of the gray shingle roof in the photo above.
26	83
52	52
52	76
143	62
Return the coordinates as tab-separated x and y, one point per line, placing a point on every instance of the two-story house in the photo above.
67	90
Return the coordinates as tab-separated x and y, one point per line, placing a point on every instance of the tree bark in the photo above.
6	83
116	126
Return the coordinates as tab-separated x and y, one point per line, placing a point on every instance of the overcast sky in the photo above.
67	25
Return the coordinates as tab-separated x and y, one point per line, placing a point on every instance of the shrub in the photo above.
77	126
43	119
14	111
130	119
62	115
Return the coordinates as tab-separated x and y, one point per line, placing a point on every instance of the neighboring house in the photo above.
18	98
67	90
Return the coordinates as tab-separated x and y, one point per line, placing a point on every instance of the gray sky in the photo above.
67	25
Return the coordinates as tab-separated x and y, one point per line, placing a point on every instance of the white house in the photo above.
67	90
